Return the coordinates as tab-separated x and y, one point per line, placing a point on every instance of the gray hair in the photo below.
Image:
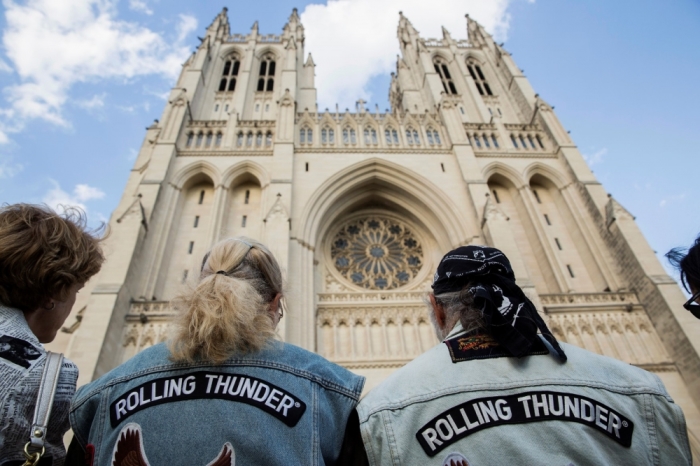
459	305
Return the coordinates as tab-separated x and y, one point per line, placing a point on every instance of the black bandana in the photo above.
510	316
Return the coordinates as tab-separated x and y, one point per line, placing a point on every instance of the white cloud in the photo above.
8	168
677	198
58	199
354	40
54	45
140	6
97	101
4	67
596	157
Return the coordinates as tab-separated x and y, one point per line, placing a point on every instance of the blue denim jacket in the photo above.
485	410
283	405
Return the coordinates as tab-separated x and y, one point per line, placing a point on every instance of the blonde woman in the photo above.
222	391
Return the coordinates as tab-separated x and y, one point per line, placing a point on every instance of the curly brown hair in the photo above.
43	254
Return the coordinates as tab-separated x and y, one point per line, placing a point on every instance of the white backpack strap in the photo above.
44	401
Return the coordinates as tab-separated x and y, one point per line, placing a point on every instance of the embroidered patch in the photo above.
129	450
455	459
483	413
274	400
18	351
467	347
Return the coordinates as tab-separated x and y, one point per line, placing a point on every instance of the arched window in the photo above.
200	137
230	74
217	141
258	139
539	141
239	139
532	143
477	141
268	139
412	136
190	138
522	141
249	139
327	135
370	136
266	80
513	140
210	138
481	85
349	135
495	141
445	77
433	137
306	135
391	136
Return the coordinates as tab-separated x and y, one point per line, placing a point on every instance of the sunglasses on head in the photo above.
692	306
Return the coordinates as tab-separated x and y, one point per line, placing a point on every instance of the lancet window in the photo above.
306	135
268	139
217	141
239	139
190	139
266	81
391	136
327	135
370	136
444	72
228	78
210	139
433	137
349	135
479	79
412	137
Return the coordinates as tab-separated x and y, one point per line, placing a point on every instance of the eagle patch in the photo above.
129	450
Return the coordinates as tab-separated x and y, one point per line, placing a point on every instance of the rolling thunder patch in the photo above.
483	413
274	400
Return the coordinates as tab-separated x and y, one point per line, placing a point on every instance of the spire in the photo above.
406	32
294	17
219	27
254	30
476	33
310	61
615	211
446	34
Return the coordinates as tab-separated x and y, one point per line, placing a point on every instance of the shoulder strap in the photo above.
44	401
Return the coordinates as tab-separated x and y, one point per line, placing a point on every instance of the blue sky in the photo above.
81	79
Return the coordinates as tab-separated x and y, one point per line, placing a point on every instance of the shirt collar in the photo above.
457	329
13	323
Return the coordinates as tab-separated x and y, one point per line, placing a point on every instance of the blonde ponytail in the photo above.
226	313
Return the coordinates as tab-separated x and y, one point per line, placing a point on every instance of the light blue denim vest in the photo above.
592	410
283	405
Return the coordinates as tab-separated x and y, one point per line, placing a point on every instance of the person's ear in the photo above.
438	310
275	303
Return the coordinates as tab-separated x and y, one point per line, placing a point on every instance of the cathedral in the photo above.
359	206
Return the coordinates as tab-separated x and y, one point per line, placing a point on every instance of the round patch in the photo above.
455	459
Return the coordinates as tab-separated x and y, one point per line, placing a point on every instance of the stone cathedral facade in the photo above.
359	206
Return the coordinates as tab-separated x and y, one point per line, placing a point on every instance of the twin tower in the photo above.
359	207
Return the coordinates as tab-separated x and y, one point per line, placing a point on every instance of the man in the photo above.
688	265
496	392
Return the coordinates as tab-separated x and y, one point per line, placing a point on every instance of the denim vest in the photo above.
488	408
282	405
22	360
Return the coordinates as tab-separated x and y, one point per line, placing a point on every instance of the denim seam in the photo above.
367	441
492	387
391	439
651	426
353	394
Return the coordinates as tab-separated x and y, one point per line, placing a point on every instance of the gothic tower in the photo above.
358	208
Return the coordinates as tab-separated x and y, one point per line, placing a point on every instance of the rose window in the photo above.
377	253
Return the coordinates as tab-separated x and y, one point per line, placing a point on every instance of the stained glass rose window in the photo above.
377	253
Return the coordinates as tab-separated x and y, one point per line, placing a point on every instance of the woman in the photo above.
45	258
688	264
222	391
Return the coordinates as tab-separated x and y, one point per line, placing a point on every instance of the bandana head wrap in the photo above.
509	315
